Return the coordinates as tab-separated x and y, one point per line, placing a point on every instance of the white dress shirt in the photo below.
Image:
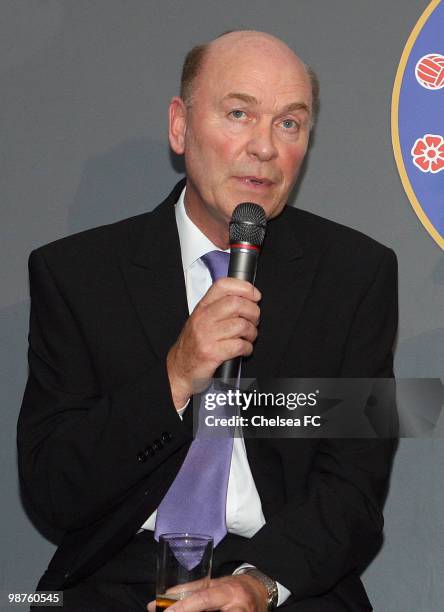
244	514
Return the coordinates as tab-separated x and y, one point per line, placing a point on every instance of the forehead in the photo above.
264	69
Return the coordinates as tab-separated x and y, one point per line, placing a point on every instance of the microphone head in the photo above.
248	224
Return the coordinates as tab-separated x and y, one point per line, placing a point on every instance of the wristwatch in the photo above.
268	583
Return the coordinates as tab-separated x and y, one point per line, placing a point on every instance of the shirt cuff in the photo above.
283	592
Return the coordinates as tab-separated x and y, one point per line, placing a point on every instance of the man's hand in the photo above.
231	593
222	326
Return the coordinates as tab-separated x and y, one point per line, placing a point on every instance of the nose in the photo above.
261	143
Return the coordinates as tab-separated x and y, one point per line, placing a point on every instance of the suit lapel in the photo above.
285	274
155	279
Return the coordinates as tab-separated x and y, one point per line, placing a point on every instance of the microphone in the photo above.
247	232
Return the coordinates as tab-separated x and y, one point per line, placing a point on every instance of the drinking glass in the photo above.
183	566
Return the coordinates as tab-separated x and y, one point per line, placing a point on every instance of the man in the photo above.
117	338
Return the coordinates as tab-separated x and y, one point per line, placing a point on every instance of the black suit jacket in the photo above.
99	438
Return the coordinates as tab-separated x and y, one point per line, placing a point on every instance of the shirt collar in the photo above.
193	242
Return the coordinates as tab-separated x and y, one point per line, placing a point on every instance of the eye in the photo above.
290	124
238	114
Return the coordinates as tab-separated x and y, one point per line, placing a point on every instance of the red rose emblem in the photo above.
428	153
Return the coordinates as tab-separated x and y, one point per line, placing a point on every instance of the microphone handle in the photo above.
243	265
228	371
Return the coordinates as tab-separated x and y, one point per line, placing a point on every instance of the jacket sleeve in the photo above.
82	451
335	529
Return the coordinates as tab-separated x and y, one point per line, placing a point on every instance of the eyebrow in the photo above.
293	106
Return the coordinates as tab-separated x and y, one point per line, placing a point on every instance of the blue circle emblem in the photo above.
418	119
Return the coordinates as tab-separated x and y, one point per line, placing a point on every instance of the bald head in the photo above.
210	58
235	43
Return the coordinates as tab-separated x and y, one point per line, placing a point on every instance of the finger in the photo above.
237	347
222	350
188	587
213	598
234	306
231	286
236	327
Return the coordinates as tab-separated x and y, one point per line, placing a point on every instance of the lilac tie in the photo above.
196	501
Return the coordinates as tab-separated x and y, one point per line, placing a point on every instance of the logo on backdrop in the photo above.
428	153
429	71
418	119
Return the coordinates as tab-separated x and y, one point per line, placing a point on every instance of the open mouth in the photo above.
255	181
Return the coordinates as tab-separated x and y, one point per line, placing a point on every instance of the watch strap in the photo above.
268	582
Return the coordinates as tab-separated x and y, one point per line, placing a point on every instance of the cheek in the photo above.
222	150
292	159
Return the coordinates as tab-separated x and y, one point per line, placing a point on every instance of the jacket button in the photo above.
166	436
149	451
157	445
141	457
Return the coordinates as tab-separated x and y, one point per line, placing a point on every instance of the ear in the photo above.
177	114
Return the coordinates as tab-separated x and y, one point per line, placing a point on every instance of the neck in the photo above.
215	228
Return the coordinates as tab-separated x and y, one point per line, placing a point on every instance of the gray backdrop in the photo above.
84	91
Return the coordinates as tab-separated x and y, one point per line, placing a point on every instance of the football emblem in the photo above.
429	71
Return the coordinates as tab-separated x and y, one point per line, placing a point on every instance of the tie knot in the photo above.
217	263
